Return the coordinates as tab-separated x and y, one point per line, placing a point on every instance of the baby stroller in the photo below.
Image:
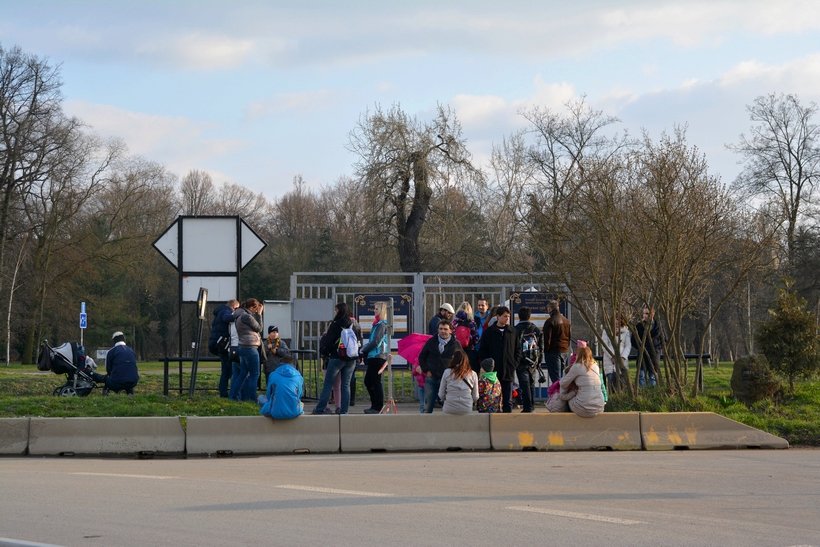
68	359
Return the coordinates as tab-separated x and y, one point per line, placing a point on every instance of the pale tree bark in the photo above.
12	289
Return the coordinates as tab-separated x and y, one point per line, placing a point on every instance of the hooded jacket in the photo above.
248	328
284	395
223	317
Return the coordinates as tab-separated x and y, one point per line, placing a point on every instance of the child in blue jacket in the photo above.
283	400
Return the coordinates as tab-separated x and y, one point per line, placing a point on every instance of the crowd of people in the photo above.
474	360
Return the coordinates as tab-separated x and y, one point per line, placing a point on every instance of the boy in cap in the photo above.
489	388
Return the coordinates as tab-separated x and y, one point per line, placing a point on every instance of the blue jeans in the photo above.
554	361
243	381
642	377
335	367
431	385
226	373
420	397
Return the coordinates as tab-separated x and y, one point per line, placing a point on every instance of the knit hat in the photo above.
581	344
448	307
118	337
273	328
488	365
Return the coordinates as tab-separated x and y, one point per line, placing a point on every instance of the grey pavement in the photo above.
740	497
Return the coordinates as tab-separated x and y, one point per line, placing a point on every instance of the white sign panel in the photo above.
220	288
210	245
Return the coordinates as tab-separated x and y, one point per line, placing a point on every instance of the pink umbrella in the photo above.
410	346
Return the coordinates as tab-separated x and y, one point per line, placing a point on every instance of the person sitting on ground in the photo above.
459	386
581	386
283	400
120	367
489	388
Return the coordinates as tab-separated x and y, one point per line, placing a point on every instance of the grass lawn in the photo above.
24	391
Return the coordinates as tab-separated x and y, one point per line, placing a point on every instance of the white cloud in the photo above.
801	76
176	142
200	50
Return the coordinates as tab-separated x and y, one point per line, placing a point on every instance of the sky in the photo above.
258	92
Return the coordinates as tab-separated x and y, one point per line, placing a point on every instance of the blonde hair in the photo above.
584	356
381	310
467	308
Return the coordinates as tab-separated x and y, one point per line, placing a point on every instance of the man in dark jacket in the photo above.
435	357
557	335
530	335
500	341
220	331
120	367
649	338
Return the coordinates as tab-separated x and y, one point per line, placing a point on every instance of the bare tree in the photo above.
197	193
31	129
75	175
564	141
689	227
782	154
234	199
403	162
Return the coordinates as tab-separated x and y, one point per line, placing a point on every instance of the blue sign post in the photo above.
83	321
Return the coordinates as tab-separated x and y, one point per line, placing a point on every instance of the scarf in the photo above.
442	342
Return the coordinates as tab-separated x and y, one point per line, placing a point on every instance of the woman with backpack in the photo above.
342	351
375	353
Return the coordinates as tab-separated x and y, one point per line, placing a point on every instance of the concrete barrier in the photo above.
106	436
13	436
565	431
701	430
377	432
229	435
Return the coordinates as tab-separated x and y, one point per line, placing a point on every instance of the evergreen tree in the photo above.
789	338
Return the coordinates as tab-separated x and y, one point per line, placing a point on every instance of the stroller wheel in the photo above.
67	391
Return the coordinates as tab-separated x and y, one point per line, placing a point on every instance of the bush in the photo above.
753	380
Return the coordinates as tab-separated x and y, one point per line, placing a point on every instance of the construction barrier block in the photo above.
701	430
13	436
565	431
438	431
106	436
228	435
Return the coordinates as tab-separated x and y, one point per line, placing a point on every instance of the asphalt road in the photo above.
745	497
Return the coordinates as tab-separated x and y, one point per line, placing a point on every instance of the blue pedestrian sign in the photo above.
83	321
